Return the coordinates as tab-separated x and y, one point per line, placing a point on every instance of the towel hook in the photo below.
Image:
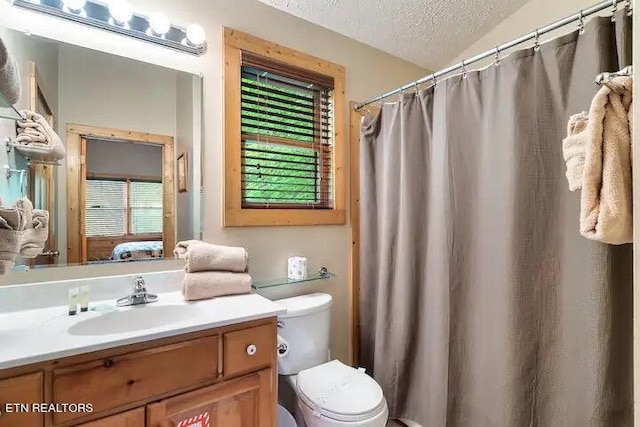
614	10
536	46
497	57
581	23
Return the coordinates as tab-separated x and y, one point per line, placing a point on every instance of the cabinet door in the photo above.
16	398
133	418
248	401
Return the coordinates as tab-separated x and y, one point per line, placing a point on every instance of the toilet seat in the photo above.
339	392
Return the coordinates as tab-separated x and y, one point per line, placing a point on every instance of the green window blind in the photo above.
287	136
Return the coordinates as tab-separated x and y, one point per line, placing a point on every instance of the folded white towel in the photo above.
34	238
37	140
10	86
180	251
210	284
208	257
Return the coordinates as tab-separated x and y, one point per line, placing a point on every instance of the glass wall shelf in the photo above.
7	111
322	274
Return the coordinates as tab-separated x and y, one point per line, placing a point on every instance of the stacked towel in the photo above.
604	140
23	232
35	237
210	284
12	225
10	86
37	140
213	270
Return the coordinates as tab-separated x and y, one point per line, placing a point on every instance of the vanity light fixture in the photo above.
121	12
74	5
159	24
118	16
195	35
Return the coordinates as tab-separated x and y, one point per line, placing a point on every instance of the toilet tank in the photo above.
305	331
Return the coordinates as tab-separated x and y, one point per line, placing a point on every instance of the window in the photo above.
283	142
119	207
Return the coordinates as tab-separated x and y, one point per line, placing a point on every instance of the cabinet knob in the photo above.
107	363
251	350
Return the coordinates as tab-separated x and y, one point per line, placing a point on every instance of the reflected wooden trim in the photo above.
76	183
74	179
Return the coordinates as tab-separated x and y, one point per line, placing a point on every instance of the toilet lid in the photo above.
340	392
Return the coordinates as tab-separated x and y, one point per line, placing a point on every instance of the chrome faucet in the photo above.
139	295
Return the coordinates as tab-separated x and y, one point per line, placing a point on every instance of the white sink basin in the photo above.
135	318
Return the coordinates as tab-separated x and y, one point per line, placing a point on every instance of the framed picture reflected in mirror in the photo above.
183	173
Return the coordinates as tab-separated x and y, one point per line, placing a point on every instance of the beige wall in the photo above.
124	158
369	72
184	144
534	14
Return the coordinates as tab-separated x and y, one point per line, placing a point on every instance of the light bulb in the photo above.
121	11
159	23
74	5
195	35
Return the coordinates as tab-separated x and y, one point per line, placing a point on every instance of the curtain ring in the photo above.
416	86
581	23
536	46
629	7
464	69
614	10
497	57
434	78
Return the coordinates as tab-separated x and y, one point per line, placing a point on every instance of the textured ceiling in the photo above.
430	33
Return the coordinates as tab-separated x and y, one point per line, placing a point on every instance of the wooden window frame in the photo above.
234	43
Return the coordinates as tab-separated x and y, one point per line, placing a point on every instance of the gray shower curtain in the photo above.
481	304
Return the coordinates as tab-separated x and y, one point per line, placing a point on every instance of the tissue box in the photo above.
297	268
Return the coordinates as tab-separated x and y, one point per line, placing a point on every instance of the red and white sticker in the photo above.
201	420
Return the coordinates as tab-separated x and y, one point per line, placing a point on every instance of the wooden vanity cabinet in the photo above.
226	376
23	389
133	418
243	402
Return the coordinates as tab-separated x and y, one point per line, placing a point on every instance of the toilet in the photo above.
328	392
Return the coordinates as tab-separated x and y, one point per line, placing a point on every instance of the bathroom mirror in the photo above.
120	194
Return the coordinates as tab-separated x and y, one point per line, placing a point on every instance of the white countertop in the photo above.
48	333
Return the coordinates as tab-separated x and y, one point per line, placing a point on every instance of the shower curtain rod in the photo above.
496	51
